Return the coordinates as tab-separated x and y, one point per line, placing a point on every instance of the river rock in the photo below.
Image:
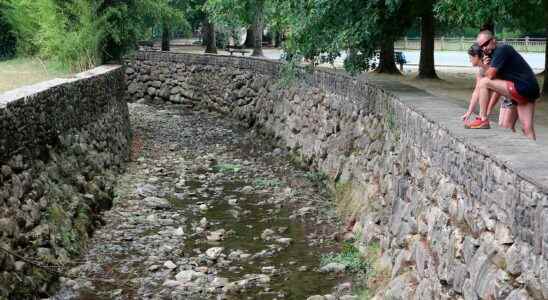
216	235
156	203
333	267
267	234
171	283
285	241
214	252
170	265
179	231
316	297
188	275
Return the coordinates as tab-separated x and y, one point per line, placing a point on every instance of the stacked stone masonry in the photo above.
61	144
453	221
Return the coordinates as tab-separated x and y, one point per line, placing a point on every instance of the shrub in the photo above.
7	39
69	34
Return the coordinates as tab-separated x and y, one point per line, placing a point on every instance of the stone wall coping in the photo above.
25	91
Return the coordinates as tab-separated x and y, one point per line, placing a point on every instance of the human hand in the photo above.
486	60
466	115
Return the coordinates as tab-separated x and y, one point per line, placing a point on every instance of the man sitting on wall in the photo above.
508	75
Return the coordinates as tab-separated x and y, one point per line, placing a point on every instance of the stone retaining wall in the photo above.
453	220
61	143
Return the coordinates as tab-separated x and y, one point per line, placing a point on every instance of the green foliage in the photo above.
263	183
69	34
7	39
525	15
322	29
128	21
289	72
231	13
227	168
316	177
80	34
350	257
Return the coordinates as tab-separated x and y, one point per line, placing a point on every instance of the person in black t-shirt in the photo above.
509	75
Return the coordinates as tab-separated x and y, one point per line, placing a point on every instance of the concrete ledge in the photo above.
28	90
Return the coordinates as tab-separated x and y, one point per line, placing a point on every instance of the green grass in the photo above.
227	168
18	72
350	257
316	177
263	183
366	272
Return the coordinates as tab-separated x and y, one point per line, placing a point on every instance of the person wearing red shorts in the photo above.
508	75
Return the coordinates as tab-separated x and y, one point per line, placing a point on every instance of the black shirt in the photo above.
511	66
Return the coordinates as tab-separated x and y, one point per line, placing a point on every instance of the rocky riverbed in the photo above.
207	210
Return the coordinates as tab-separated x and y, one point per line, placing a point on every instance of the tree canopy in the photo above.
82	33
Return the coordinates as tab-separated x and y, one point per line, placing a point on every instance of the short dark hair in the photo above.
475	50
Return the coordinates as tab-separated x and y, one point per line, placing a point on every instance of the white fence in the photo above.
462	44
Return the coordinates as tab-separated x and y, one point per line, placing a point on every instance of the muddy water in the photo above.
200	183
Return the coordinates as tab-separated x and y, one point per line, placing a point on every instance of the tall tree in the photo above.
249	40
258	20
211	44
242	13
426	63
323	30
166	36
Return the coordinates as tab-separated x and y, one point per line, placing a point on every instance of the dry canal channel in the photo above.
208	210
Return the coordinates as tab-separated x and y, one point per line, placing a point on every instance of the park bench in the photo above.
232	50
399	59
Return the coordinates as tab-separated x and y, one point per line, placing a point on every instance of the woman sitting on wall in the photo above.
508	114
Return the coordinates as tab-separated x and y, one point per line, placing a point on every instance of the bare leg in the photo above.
526	114
502	116
484	95
508	117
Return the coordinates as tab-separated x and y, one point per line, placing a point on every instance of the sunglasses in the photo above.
484	44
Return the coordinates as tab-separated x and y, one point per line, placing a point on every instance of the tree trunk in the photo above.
211	45
165	37
545	84
387	63
258	29
203	32
426	63
278	39
249	37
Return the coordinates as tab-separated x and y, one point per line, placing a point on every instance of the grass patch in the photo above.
350	257
18	72
316	177
368	274
263	183
227	168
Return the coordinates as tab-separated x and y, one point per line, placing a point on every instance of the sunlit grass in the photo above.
18	72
